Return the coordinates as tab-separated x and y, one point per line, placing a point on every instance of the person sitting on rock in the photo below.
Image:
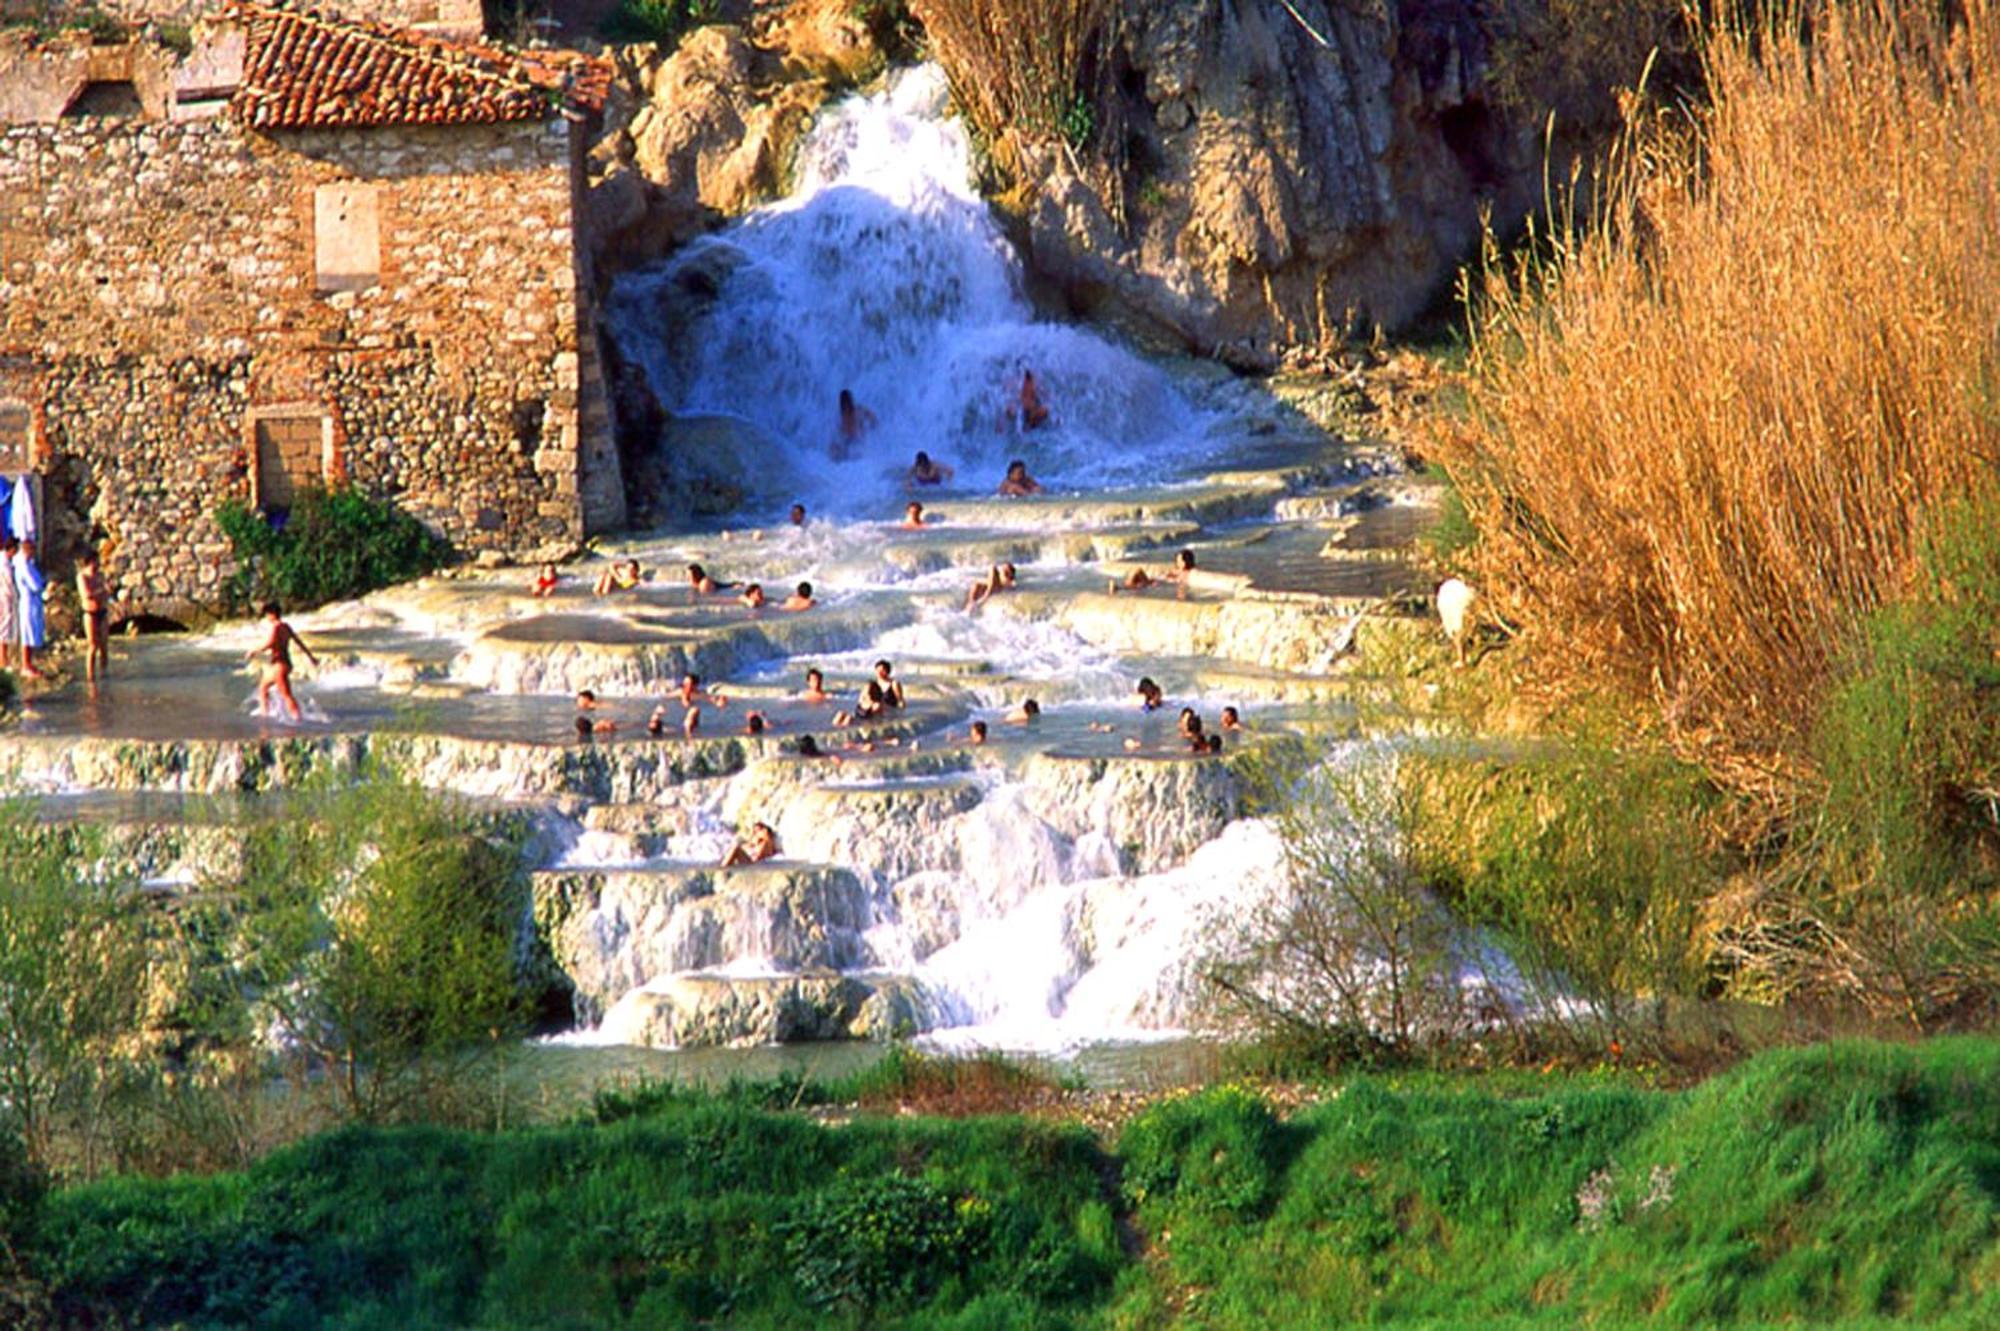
1017	483
623	576
815	686
892	689
913	517
1028	712
760	845
800	599
699	583
923	471
998	579
1150	697
545	583
753	596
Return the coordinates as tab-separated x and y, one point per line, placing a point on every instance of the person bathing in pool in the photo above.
1139	579
999	578
760	845
800	599
926	472
1017	483
855	421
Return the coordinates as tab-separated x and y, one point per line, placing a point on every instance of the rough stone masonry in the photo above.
307	252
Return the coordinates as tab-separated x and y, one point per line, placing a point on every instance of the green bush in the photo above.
1896	870
335	544
697	1214
882	1241
383	935
1220	1150
659	21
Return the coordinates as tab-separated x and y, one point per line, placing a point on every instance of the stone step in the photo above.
646	645
611	930
707	1010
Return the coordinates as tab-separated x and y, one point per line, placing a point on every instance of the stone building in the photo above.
303	251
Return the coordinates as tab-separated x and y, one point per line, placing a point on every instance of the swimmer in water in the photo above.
699	583
1232	721
815	686
809	748
623	576
753	596
999	578
1033	413
798	515
1028	712
1017	482
913	517
656	724
689	690
926	472
279	639
855	421
1139	579
1150	698
755	724
800	599
892	689
760	845
977	734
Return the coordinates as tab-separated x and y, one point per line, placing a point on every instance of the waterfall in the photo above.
886	275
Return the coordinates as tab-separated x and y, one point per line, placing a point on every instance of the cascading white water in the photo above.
885	274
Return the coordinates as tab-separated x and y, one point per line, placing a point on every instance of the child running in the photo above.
277	647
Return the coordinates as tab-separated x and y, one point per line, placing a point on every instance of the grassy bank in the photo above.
1839	1184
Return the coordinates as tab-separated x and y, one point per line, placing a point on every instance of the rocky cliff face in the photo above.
1263	176
1289	171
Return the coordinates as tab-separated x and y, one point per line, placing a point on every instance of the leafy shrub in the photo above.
1590	863
334	544
1890	894
383	934
660	21
1218	1150
882	1242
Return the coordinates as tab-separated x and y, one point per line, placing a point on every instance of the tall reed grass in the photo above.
1710	427
1027	65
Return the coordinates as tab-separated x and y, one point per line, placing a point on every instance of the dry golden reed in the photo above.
1024	65
1709	427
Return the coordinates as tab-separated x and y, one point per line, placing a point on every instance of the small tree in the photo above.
382	937
73	969
1355	957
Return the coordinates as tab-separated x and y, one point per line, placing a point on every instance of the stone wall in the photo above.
159	285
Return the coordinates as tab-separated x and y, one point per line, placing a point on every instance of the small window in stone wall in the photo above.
528	416
17	436
291	456
347	236
115	98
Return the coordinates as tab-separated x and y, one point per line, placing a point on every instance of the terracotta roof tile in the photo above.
303	69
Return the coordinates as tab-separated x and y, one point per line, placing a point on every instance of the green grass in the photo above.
1848	1184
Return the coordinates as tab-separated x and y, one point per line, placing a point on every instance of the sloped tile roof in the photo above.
302	69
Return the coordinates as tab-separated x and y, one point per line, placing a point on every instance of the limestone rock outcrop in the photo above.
1293	171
